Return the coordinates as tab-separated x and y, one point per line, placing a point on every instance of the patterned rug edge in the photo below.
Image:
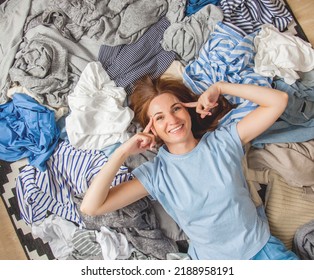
34	248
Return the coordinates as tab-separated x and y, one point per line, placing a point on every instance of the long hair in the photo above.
147	89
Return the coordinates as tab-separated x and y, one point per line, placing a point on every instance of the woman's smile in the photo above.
176	129
172	123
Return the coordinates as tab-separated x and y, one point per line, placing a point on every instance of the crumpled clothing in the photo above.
186	37
281	54
192	6
226	56
13	15
293	161
249	15
139	224
85	245
42	67
29	130
110	22
304	241
126	64
69	172
114	245
58	232
98	117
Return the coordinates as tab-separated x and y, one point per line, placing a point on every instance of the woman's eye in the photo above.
159	118
177	108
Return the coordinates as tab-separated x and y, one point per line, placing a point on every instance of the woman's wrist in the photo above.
220	86
121	153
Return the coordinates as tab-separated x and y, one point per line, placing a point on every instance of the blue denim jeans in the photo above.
275	250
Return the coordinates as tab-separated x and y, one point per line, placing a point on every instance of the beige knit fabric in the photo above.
287	208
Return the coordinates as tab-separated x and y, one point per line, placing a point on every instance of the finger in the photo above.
190	104
199	108
215	105
144	143
203	115
148	126
204	111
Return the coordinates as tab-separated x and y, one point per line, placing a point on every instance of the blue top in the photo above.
27	129
206	193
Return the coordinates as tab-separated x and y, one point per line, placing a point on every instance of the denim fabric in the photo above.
300	108
283	132
275	250
297	121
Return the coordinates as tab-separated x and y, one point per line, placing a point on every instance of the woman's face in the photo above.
171	120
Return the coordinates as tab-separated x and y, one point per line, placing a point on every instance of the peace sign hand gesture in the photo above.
206	102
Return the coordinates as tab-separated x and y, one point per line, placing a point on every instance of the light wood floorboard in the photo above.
303	10
10	246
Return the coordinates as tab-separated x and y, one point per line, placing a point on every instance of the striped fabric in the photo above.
249	15
125	64
85	244
69	172
226	56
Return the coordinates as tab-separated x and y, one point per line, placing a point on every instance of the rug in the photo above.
34	248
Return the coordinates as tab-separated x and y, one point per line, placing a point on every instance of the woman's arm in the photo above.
271	103
99	197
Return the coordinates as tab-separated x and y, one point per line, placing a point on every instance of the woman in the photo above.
196	176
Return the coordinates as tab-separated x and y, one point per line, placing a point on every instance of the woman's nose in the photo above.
172	118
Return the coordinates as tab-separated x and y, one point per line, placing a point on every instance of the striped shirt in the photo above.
69	173
125	64
226	56
249	15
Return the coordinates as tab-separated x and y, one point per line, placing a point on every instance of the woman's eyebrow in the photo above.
156	114
173	105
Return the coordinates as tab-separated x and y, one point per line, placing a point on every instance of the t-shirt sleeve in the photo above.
144	173
235	135
228	137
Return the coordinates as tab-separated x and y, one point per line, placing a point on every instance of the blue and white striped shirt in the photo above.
69	173
226	56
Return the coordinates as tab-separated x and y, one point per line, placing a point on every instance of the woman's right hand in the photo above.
140	142
206	102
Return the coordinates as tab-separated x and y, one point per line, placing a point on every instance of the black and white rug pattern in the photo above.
35	248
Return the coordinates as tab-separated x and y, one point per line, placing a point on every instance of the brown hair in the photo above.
147	89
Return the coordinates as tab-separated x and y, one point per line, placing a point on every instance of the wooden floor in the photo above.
10	248
303	11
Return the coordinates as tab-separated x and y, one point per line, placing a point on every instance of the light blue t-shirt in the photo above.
205	192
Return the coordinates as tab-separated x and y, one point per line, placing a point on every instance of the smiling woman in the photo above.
206	210
171	122
146	90
130	61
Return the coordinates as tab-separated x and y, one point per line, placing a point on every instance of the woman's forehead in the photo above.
162	102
